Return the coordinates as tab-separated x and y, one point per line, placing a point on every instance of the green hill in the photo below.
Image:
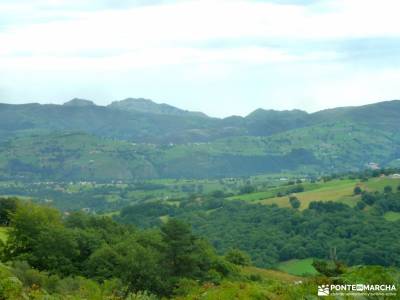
80	140
49	255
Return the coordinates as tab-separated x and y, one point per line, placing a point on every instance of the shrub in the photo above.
238	257
387	189
294	202
357	190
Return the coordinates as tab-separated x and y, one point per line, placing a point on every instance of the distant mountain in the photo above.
105	122
80	140
263	122
79	102
148	106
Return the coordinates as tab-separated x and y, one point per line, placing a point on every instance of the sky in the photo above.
222	57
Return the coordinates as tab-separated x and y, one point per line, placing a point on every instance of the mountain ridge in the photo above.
130	145
147	106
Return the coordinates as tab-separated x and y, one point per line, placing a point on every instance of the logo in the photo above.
357	289
323	290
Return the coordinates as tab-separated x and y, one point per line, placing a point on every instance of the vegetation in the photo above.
80	245
392	216
80	142
338	190
272	235
262	191
299	267
79	256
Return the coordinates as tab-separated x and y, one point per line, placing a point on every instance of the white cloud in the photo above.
205	20
60	38
356	88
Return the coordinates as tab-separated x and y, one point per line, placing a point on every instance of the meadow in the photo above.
392	216
336	190
299	267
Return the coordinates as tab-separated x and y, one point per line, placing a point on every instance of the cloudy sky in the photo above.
222	57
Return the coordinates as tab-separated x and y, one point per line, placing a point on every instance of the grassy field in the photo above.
298	267
338	190
3	234
335	190
392	216
272	192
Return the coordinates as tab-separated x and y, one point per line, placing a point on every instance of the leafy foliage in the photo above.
271	234
98	248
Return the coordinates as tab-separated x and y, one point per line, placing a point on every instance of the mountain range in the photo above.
139	139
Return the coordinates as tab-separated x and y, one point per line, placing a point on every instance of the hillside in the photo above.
47	255
142	120
134	139
148	106
337	190
340	213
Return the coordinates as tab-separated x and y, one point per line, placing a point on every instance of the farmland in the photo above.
337	190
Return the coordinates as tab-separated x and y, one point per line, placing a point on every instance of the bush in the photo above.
255	277
387	189
294	202
141	296
185	287
360	205
247	189
238	257
357	190
213	276
368	198
296	189
10	288
224	267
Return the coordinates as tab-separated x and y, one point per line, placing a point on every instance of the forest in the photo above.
271	234
47	254
129	260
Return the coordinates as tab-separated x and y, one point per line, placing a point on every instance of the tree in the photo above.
55	249
294	202
360	205
329	268
238	257
140	267
28	221
357	190
7	207
247	189
398	188
179	242
368	198
387	189
218	194
102	263
296	189
185	254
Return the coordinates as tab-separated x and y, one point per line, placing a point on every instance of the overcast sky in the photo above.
220	57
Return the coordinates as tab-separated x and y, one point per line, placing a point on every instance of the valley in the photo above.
139	200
